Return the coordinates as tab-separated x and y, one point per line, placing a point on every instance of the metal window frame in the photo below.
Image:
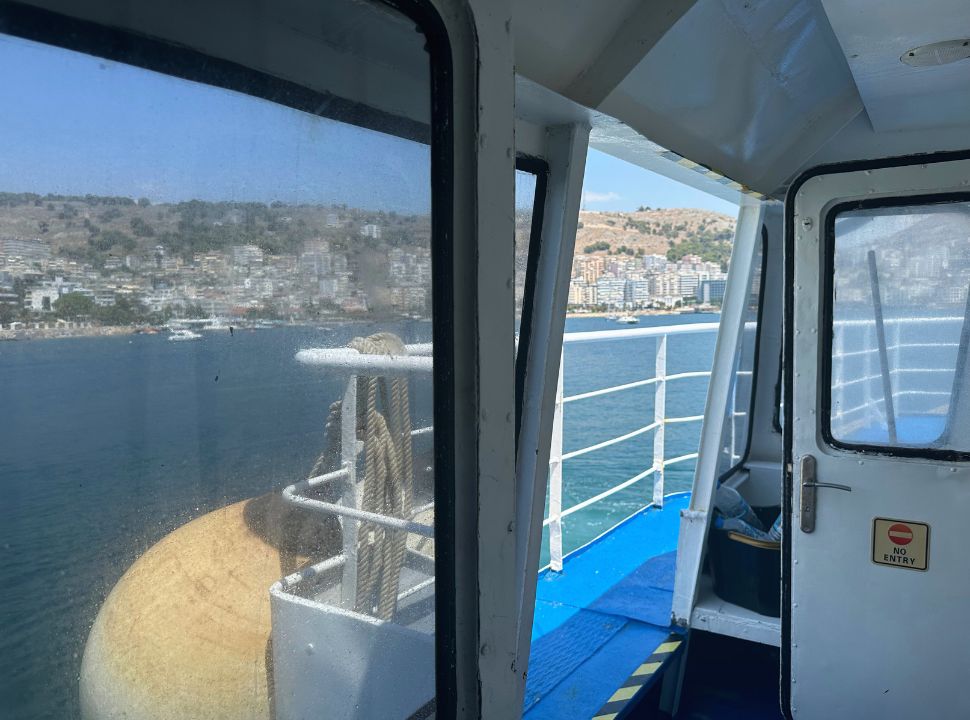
150	53
828	329
457	679
563	148
540	169
757	358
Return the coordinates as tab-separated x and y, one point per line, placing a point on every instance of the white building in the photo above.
610	291
246	255
43	297
371	230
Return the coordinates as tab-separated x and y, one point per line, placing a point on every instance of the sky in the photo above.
75	124
614	184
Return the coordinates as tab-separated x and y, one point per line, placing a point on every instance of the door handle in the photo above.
835	486
809	488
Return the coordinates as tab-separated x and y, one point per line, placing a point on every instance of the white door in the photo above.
878	565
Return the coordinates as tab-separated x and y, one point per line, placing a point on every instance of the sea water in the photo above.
109	443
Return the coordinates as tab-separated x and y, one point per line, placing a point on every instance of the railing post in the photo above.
348	459
555	481
659	417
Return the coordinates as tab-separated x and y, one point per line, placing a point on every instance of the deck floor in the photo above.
599	619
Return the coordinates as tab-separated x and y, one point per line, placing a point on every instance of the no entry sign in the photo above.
900	534
900	543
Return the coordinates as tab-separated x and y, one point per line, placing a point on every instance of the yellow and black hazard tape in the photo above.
640	677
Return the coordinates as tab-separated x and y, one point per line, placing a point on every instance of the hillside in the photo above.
93	228
673	232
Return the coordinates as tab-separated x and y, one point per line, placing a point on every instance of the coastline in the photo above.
641	313
60	331
71	330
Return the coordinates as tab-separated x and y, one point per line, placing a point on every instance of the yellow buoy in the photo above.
186	631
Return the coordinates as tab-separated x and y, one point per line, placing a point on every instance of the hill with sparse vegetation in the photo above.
672	232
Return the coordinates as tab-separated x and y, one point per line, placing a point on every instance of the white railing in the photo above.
857	381
659	380
418	360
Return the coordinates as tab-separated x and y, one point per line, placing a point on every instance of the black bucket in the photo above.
747	572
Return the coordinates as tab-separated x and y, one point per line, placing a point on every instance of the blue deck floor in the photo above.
597	620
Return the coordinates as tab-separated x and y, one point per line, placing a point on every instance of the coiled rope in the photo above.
387	488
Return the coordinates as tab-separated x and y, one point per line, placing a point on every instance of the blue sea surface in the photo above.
109	443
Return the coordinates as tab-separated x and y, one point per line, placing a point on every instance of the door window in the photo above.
899	277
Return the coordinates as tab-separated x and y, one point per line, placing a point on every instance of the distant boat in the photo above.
628	320
183	335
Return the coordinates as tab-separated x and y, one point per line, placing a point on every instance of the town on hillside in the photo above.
76	263
660	259
87	264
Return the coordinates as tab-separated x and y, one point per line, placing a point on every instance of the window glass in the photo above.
899	299
189	273
525	200
737	421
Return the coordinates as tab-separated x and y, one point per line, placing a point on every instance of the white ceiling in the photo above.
758	90
874	34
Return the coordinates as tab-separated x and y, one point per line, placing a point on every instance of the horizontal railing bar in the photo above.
599	335
635	384
607	391
351	360
617	488
692	418
855	381
855	353
892	348
627	436
307	573
899	321
421	508
290	496
603	495
923	345
680	459
922	370
612	441
691	374
416	589
321	479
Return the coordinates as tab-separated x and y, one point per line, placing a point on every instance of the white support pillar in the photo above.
555	481
348	459
659	417
694	520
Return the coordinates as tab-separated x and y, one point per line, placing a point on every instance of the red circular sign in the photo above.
901	534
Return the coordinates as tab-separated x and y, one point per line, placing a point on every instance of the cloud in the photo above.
600	197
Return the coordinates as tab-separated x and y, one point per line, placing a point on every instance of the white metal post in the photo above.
694	520
659	415
348	459
555	481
